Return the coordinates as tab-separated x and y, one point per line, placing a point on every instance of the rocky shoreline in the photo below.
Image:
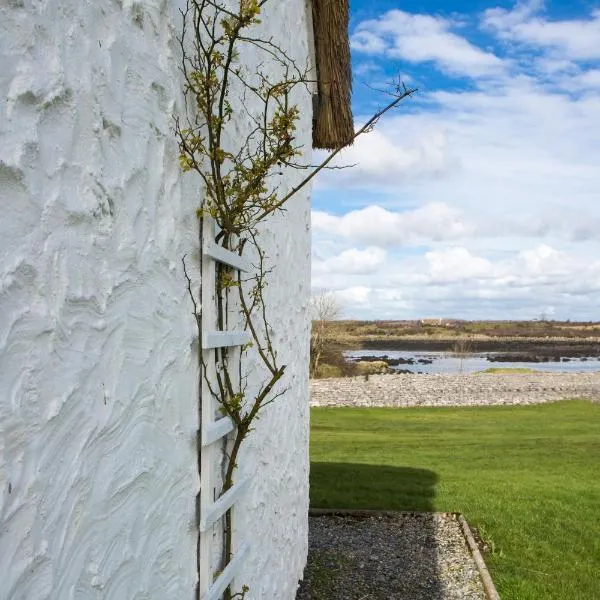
392	362
532	357
405	390
550	347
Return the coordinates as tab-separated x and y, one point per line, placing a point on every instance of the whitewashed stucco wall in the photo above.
98	383
98	378
272	517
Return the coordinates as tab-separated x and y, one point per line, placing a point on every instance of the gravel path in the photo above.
453	390
401	556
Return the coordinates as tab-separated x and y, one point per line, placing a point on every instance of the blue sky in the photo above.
480	196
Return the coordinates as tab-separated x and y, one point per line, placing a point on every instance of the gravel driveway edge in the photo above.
486	580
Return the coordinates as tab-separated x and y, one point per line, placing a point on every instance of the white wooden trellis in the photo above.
213	508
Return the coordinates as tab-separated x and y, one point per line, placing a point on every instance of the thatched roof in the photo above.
333	126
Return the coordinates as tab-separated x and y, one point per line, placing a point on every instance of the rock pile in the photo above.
454	390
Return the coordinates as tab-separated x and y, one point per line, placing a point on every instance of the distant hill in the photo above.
440	328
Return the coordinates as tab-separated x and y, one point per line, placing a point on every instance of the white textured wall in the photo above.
98	384
98	379
273	517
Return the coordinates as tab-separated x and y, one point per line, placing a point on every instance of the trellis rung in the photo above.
226	577
216	430
224	339
223	504
227	257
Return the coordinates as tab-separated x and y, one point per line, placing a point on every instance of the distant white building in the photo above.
437	321
99	382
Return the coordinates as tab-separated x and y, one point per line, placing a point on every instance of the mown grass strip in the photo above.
527	477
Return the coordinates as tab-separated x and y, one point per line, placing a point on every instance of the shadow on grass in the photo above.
355	486
372	557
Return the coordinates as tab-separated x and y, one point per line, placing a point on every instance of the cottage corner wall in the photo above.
98	384
98	368
273	515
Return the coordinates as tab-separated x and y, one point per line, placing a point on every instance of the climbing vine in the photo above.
243	186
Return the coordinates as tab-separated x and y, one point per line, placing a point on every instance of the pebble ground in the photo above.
404	556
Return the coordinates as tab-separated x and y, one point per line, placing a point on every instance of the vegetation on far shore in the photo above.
347	331
525	477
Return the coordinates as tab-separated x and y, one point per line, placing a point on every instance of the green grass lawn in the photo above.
507	371
527	477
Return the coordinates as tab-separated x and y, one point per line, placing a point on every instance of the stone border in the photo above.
486	579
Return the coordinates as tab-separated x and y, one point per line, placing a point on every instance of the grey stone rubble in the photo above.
454	390
406	556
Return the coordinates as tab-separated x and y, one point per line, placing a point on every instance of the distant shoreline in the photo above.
552	347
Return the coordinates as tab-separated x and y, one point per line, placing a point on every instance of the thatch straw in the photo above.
333	126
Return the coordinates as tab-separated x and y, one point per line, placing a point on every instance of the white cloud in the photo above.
350	297
376	225
485	197
501	19
387	155
577	39
369	67
520	160
544	260
352	261
539	265
456	264
552	66
586	80
455	281
368	41
358	301
421	38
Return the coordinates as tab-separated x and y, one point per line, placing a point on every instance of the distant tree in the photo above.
324	308
462	348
